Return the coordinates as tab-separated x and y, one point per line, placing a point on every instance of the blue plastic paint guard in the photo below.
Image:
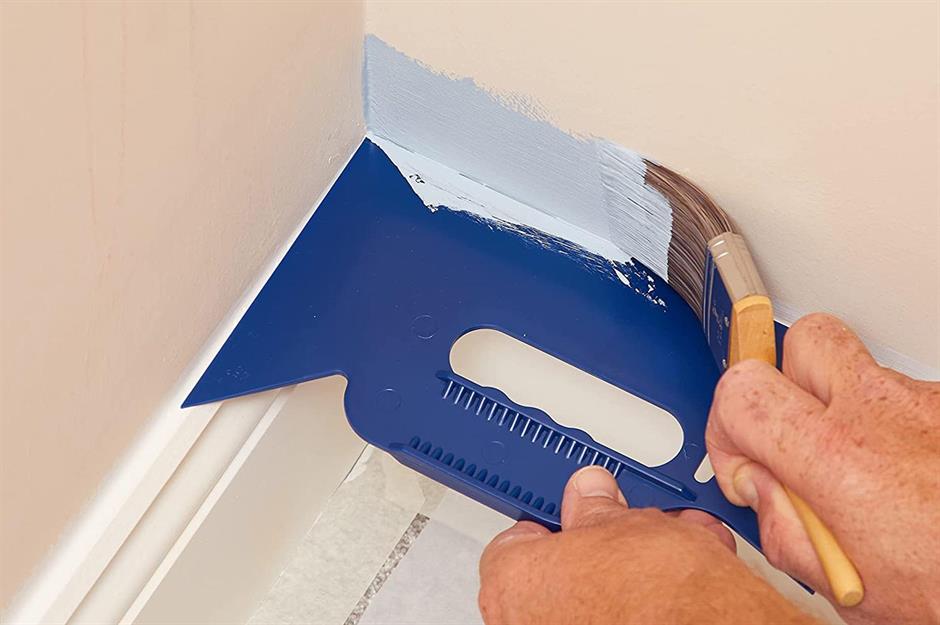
378	288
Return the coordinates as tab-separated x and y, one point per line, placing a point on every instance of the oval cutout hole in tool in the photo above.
572	397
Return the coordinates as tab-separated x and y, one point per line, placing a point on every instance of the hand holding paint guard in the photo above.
611	564
859	443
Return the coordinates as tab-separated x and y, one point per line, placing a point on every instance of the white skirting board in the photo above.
242	536
184	463
223	525
214	539
222	528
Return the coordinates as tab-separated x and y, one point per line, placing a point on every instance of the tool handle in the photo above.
752	336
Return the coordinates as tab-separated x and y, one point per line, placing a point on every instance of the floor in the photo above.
394	548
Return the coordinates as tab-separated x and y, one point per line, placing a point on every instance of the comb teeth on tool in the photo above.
529	429
511	427
484	478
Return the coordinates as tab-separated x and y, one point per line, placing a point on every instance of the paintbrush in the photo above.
710	266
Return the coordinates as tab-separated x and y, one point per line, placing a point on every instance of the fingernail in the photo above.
744	486
595	482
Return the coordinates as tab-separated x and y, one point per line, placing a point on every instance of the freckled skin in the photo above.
611	564
860	443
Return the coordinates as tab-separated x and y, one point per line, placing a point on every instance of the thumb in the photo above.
783	538
591	497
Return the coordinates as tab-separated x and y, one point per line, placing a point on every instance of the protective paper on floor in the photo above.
369	524
436	582
404	545
338	558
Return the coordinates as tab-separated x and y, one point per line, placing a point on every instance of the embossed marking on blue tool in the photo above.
378	288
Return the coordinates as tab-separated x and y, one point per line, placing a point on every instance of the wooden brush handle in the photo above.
844	581
752	336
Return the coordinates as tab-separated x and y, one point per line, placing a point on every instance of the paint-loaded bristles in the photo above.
659	218
696	219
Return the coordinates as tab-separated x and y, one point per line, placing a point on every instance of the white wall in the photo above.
814	124
154	155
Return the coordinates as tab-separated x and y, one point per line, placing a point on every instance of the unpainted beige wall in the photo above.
814	124
154	155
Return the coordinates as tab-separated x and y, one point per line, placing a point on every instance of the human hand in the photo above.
611	564
859	443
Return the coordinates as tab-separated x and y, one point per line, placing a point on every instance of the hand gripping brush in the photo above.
711	267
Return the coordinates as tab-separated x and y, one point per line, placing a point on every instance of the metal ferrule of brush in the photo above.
734	263
730	276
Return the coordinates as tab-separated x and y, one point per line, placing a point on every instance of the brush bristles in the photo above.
696	219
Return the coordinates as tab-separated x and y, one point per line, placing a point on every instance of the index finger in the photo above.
823	356
758	414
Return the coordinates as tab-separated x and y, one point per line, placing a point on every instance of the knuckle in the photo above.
600	512
487	595
751	368
494	564
740	379
816	323
728	384
488	602
810	329
499	576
